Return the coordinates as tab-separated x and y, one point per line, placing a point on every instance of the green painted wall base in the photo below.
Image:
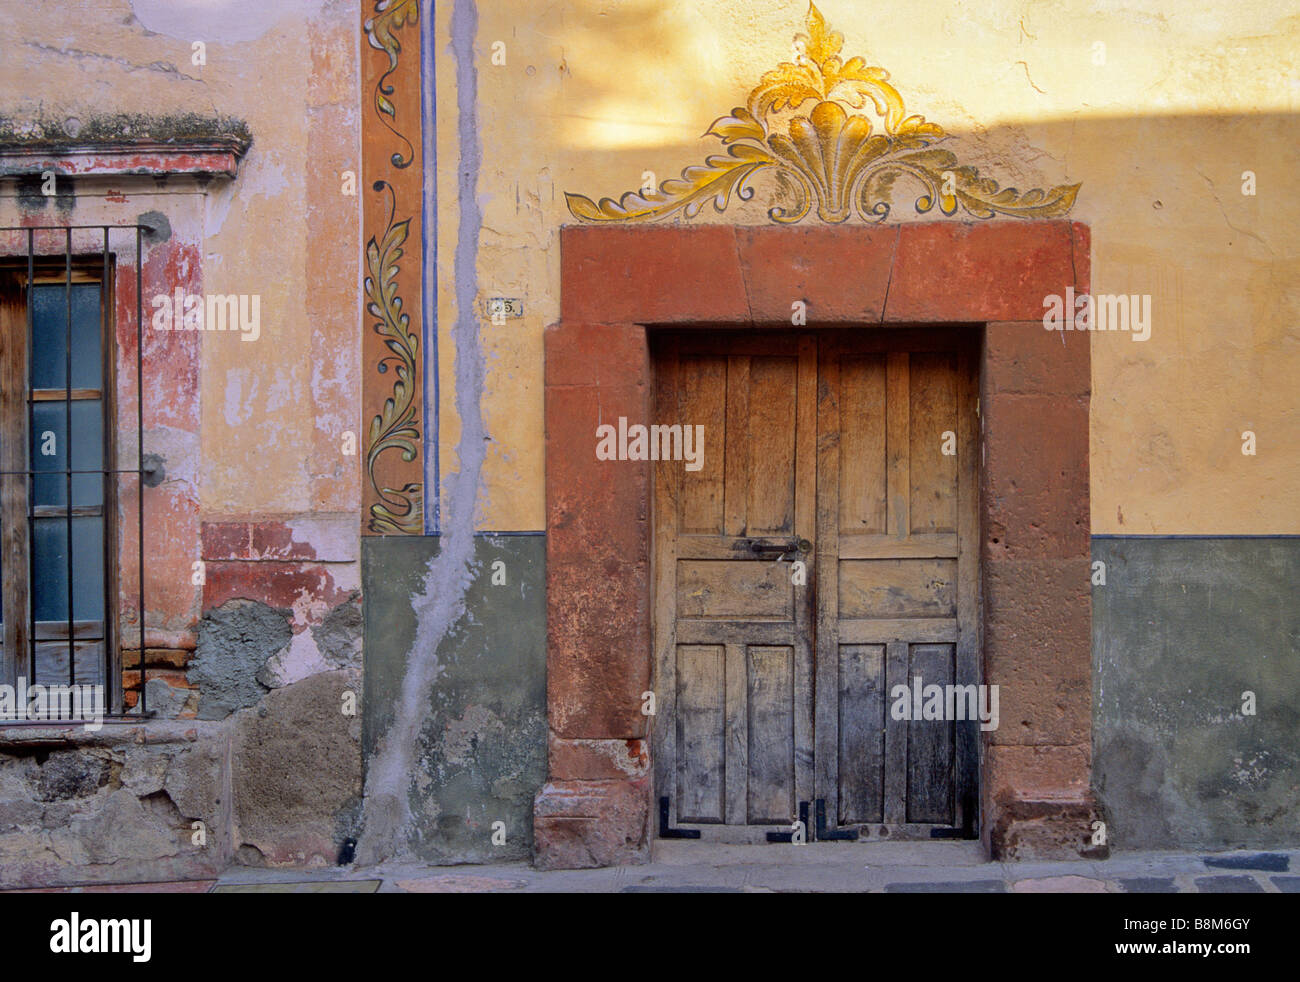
1182	629
483	748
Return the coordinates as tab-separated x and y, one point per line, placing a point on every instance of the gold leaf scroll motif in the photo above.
831	153
381	32
397	427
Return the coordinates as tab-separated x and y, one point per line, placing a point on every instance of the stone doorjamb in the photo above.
1035	795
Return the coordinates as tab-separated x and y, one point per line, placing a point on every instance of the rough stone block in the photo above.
1037	650
1037	772
605	279
1035	477
598	665
598	760
996	271
1026	829
296	762
588	824
596	354
1023	357
840	272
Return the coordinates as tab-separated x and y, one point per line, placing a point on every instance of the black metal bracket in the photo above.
948	833
825	834
789	836
667	833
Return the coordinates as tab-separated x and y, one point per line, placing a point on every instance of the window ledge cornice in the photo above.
124	146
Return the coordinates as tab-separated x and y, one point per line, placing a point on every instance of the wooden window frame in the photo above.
16	395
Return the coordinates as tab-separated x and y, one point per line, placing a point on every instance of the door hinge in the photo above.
669	833
789	836
831	835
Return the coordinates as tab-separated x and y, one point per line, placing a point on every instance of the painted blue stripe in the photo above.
429	267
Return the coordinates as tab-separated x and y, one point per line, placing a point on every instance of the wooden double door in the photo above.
823	554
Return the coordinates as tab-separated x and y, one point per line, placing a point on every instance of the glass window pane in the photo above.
49	433
49	339
50	566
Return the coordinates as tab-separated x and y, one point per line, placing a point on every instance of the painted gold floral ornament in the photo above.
831	153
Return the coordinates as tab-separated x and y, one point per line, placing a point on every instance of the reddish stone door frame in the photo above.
1035	797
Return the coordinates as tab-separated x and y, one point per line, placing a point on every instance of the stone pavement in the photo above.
888	867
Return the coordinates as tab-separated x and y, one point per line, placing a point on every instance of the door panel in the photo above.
859	448
896	499
733	633
701	732
861	707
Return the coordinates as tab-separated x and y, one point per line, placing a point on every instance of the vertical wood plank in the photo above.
930	743
737	762
898	443
736	496
806	441
666	509
772	406
896	666
862	733
805	434
969	621
701	732
14	542
826	781
862	445
771	735
700	399
932	385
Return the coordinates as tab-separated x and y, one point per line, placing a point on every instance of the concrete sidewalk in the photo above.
879	867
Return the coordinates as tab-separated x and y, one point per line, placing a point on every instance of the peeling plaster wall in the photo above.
252	666
274	410
480	754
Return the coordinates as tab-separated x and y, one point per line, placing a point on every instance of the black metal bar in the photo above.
789	836
30	612
139	437
825	834
67	441
947	833
61	228
111	634
99	470
106	424
670	833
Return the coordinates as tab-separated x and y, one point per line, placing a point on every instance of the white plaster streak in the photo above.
229	21
387	815
238	406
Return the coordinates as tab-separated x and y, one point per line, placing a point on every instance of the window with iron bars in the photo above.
68	511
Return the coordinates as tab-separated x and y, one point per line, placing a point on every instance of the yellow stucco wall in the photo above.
593	94
1189	96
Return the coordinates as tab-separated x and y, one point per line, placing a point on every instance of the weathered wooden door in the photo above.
822	553
897	580
734	734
